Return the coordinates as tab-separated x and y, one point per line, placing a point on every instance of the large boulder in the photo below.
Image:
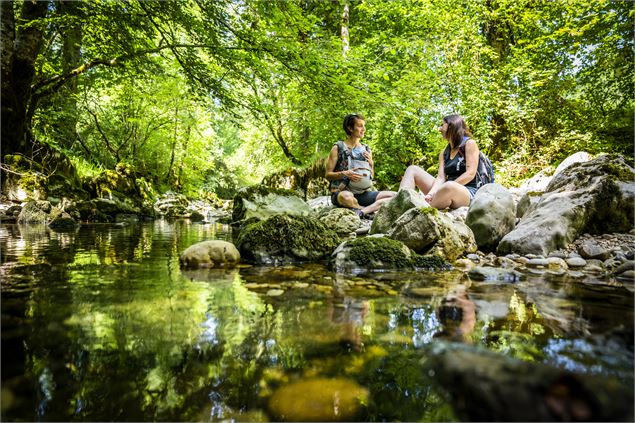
491	216
429	231
592	197
486	386
261	203
390	211
207	254
286	239
342	221
35	211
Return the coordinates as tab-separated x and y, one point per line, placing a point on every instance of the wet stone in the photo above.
593	268
558	254
275	292
537	263
591	250
494	274
576	262
319	399
464	263
474	257
555	263
505	262
627	265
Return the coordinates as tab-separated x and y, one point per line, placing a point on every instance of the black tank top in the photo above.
456	167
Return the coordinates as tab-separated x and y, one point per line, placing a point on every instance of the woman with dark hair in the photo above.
350	169
456	182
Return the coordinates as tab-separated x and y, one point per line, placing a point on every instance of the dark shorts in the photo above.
364	199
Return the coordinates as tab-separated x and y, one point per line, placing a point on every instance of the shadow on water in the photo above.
101	324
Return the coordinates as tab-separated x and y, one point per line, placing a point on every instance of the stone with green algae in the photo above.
319	399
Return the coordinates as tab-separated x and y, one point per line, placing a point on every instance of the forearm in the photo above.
334	176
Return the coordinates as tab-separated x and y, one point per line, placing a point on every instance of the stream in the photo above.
101	324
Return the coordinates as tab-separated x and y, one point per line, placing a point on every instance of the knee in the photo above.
412	169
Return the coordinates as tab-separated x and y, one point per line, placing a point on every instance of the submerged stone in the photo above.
214	253
319	399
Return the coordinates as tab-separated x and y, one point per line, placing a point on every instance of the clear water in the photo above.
100	324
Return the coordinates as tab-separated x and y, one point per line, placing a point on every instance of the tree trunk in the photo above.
66	122
19	53
345	22
499	38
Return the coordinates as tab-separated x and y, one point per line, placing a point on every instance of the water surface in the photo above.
100	324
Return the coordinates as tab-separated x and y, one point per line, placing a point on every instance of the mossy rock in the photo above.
286	239
379	253
319	399
262	202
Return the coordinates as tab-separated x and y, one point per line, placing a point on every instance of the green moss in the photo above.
428	210
430	262
611	212
283	234
619	171
368	250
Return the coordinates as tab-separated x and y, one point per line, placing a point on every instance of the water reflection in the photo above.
101	324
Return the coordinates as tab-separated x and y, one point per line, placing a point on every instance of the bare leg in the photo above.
347	199
451	194
415	176
382	197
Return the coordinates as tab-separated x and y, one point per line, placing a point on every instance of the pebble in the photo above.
558	254
537	263
505	262
592	250
275	292
627	265
629	274
576	262
555	263
592	268
464	264
474	257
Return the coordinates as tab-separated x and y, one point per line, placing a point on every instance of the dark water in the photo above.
100	324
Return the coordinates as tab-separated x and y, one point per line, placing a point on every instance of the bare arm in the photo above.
471	162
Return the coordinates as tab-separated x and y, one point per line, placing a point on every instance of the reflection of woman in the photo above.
349	314
342	177
455	184
458	316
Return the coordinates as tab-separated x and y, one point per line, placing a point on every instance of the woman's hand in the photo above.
353	176
428	197
369	158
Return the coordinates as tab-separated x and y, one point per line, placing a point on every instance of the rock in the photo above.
390	211
371	253
556	263
492	215
429	231
35	211
319	399
459	214
627	265
589	249
494	274
214	253
286	239
379	253
527	203
576	262
261	203
275	292
538	182
595	197
579	157
486	386
342	221
196	216
537	263
61	220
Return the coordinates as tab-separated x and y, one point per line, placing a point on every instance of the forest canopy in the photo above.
211	95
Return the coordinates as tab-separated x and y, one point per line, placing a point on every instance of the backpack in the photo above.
485	170
361	167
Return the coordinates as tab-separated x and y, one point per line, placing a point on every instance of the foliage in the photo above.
211	95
